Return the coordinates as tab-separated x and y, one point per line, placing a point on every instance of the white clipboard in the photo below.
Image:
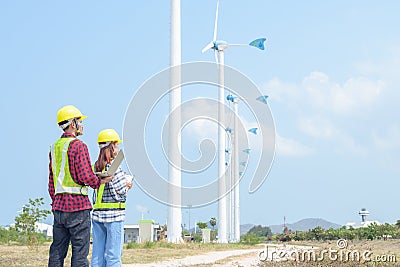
113	167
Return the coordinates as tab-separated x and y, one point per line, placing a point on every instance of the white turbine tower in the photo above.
219	46
174	139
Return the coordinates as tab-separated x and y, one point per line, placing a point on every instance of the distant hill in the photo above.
305	225
244	228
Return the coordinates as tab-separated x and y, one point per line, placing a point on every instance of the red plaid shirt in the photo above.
82	173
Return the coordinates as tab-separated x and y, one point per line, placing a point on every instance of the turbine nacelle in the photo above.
220	45
216	45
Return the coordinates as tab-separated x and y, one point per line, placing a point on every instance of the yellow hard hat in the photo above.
108	135
69	112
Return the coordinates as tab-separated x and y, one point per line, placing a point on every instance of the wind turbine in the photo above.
219	46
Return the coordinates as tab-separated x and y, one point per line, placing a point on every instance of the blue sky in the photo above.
329	68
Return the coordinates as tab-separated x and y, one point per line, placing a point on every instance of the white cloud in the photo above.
354	95
323	109
318	92
317	126
280	91
196	118
290	147
201	128
358	93
321	128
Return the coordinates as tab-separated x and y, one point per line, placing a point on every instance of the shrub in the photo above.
249	239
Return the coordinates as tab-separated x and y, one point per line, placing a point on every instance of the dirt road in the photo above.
247	257
229	258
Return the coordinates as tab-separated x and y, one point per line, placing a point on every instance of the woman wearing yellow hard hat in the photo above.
109	205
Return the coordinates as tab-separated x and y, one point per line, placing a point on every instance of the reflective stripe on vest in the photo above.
105	205
63	182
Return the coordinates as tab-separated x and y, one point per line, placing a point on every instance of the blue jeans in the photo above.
108	240
71	227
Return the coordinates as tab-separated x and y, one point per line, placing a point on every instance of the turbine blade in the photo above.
216	56
209	46
247	150
216	23
259	43
253	130
262	99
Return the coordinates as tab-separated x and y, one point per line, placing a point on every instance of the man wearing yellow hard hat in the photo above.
109	205
70	174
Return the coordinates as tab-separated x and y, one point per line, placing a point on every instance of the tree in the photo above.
318	233
31	214
260	231
202	225
213	222
286	236
250	239
300	236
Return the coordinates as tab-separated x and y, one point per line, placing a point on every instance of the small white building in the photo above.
146	230
44	228
131	233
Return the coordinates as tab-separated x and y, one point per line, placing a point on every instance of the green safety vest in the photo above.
105	205
63	182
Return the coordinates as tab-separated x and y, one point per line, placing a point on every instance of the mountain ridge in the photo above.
301	225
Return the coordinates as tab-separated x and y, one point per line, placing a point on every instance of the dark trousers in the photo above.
71	227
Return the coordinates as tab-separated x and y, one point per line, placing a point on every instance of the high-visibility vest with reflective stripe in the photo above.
63	182
105	205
